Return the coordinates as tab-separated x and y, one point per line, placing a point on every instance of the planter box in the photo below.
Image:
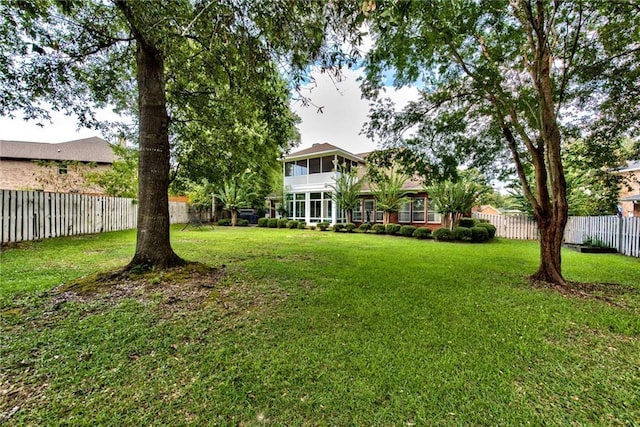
590	249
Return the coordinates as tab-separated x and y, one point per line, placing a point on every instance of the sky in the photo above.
343	116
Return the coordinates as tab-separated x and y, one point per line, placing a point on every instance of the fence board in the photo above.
39	215
620	233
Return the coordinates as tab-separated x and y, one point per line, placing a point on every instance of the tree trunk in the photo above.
153	246
234	217
349	214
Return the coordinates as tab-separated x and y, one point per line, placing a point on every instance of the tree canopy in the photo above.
514	78
181	68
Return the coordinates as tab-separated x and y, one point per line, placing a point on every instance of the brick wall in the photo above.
29	175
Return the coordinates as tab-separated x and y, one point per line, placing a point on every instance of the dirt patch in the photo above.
191	284
606	292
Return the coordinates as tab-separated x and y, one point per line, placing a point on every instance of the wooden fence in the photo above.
512	227
29	215
620	233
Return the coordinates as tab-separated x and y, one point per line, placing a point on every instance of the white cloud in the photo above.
344	112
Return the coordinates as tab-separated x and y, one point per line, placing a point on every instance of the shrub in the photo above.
392	229
482	220
272	223
443	234
467	222
490	228
293	224
282	223
338	227
323	226
378	229
479	234
349	227
422	233
364	227
407	230
302	225
241	222
224	222
263	222
462	233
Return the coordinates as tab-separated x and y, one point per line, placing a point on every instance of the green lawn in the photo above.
312	328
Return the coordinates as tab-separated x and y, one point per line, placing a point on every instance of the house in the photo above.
53	167
486	209
630	189
309	173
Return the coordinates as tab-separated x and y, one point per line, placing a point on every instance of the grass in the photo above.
311	328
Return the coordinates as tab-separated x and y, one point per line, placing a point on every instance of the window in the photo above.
357	213
289	205
432	215
326	207
417	214
62	169
404	214
299	208
301	168
327	164
315	206
314	165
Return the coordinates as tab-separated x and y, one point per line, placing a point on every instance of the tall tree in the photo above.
512	77
80	55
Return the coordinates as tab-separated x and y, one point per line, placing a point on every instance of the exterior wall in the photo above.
410	215
29	175
632	179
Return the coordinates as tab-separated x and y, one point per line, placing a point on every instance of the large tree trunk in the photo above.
153	246
234	217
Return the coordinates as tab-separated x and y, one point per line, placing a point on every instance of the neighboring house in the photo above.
309	173
486	209
53	167
630	189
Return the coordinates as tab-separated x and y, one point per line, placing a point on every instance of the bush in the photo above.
338	227
422	233
479	234
407	230
323	226
263	222
392	229
490	228
224	222
272	223
378	229
302	225
349	227
482	220
282	223
364	227
241	222
467	222
293	224
462	233
443	234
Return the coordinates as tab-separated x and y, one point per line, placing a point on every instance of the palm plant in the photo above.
346	190
454	199
236	193
386	187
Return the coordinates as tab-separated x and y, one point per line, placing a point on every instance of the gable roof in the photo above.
320	149
92	149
